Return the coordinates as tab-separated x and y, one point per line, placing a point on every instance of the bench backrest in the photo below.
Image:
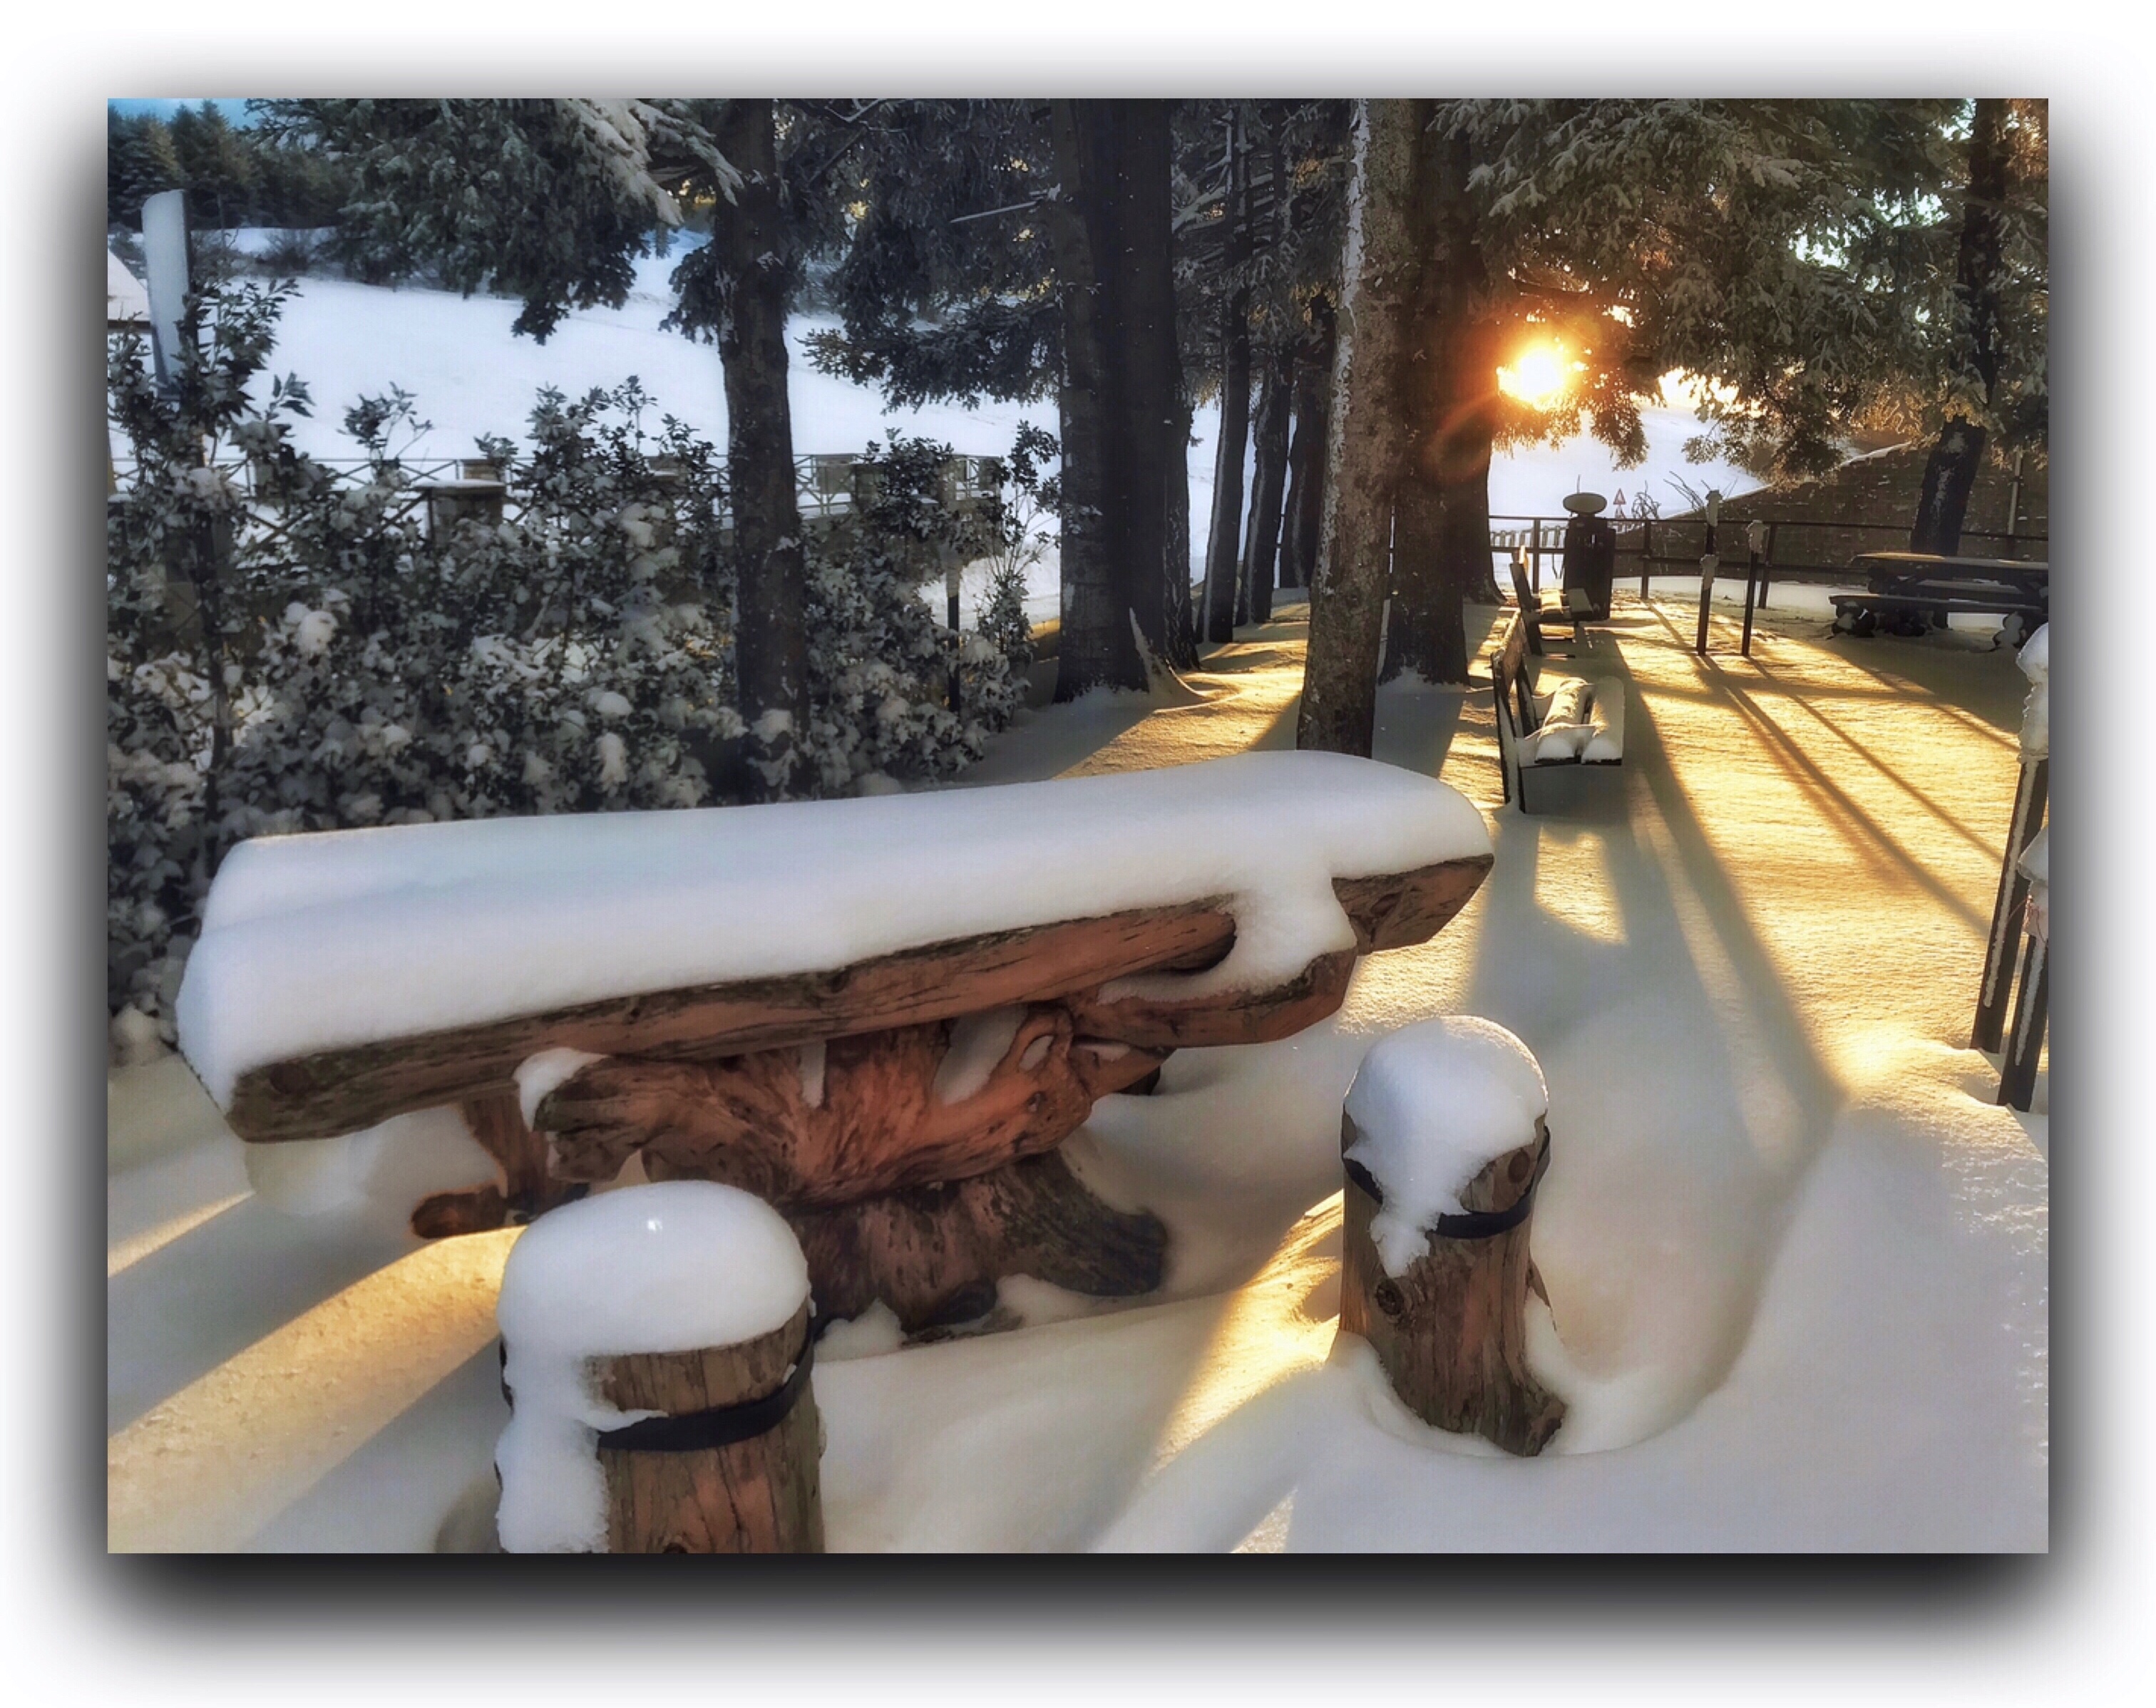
1530	607
1510	677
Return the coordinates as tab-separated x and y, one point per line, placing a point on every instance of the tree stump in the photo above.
1451	1331
758	1495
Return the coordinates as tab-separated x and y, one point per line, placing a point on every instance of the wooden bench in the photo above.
1526	741
903	1110
1576	610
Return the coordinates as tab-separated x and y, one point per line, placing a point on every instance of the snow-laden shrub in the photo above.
297	651
880	667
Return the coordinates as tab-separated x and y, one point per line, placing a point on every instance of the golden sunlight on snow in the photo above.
1280	1321
1772	915
204	1470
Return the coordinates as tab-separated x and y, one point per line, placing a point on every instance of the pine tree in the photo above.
1992	386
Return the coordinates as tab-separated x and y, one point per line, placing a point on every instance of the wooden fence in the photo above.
1799	548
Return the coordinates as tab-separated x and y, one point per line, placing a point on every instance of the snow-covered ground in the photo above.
1796	1257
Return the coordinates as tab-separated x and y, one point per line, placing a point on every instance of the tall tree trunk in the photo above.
1379	269
1306	456
1149	374
1182	627
1416	632
1261	544
1464	530
1449	378
1222	543
1950	474
1097	647
770	645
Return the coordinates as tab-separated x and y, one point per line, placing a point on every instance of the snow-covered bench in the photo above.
881	1015
1574	723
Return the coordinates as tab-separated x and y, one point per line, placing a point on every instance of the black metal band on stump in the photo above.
722	1426
1468	1224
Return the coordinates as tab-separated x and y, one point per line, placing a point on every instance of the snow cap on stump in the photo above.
668	1268
1433	1105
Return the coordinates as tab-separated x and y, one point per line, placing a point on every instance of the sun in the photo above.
1538	375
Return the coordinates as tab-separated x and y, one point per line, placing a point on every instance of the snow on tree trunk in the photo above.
1261	547
1950	474
1379	269
769	647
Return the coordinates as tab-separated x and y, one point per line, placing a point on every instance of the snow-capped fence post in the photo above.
657	1346
1443	1142
2031	795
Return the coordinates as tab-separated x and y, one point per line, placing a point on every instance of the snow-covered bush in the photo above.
298	650
880	667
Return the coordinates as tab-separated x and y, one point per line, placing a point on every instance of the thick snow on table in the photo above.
312	942
1796	1255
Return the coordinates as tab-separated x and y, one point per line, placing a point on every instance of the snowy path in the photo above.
1796	1258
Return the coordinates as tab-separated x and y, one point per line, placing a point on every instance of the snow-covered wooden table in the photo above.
881	1015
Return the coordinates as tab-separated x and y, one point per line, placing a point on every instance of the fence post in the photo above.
1709	564
1755	538
2031	797
656	1350
1437	1205
1646	553
2025	1043
1535	558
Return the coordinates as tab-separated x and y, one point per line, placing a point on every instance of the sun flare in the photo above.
1537	377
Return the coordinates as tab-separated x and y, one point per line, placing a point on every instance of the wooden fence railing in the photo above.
1799	548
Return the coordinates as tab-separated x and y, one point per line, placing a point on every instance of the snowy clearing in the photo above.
1796	1256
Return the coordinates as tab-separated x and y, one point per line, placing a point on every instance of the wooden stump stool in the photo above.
657	1347
1443	1142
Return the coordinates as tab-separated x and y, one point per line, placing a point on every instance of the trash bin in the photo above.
1590	555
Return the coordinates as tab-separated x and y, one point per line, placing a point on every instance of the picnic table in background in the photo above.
1912	591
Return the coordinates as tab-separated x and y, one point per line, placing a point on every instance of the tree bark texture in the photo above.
1451	1331
1223	552
1122	385
1268	489
770	645
764	1495
1182	624
1463	551
1148	443
1097	647
1305	504
1951	471
1448	379
1380	269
